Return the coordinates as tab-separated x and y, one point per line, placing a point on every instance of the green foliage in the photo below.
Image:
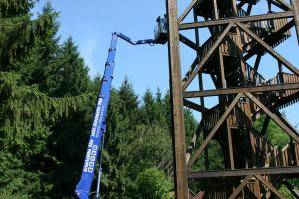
152	183
274	133
47	105
28	115
25	109
137	138
284	190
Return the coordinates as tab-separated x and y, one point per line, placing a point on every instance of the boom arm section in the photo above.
99	122
139	42
98	126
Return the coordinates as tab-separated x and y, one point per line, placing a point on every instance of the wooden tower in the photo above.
253	167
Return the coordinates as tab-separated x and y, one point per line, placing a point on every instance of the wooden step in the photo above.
273	32
204	50
283	98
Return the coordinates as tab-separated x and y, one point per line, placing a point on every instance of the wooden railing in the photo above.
272	25
241	13
264	28
216	194
207	46
237	118
284	78
229	45
253	77
263	146
270	155
211	117
286	157
203	52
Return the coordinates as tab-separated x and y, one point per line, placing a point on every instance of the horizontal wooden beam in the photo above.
244	172
204	24
254	89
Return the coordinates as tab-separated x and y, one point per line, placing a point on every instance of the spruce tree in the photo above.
69	75
70	134
26	113
149	107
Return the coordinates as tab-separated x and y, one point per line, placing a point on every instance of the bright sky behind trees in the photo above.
91	22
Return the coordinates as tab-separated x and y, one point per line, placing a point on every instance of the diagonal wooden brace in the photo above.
274	117
285	4
213	131
207	56
186	11
240	187
270	186
269	49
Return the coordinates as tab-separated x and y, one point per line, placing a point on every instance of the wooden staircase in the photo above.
265	30
271	156
203	51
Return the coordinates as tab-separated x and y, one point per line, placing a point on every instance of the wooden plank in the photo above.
195	106
269	49
240	187
296	16
253	89
228	129
179	144
245	172
285	4
249	8
189	43
213	131
200	84
265	125
264	17
257	62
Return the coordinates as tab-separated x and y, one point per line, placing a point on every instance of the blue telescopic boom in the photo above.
99	122
98	126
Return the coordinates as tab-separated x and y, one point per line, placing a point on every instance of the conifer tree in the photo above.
69	78
149	107
26	114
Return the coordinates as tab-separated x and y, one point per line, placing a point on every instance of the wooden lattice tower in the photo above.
253	167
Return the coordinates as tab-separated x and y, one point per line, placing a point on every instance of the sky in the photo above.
90	23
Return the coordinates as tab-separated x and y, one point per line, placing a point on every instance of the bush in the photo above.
152	183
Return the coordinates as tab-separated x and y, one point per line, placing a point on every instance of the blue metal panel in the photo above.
98	126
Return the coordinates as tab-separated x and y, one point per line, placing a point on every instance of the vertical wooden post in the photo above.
179	145
202	100
223	81
296	13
